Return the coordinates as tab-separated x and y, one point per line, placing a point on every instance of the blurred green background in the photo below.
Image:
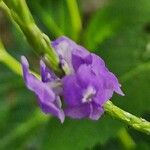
118	31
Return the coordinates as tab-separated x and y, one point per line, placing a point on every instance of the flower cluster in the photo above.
82	92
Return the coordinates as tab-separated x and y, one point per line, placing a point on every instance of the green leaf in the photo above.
116	16
124	56
120	29
80	133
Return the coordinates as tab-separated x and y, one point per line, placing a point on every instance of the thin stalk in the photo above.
126	140
19	12
137	123
40	41
10	61
75	18
6	10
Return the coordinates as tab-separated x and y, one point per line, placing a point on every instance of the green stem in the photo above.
6	10
75	18
37	118
40	42
126	140
131	120
10	61
123	135
20	13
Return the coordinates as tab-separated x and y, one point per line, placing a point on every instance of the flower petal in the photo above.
78	112
111	81
96	111
46	96
86	76
80	57
66	49
71	90
46	74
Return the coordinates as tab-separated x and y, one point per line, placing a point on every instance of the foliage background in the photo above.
118	31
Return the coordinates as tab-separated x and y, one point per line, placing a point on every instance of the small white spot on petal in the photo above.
88	94
48	76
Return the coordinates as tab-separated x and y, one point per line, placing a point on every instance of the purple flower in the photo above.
66	49
85	88
45	90
86	91
89	85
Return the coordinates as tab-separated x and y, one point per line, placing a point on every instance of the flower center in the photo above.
88	94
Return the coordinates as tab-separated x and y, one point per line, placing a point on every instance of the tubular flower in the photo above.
45	90
85	88
86	91
66	49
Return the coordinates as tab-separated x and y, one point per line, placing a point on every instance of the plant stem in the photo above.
10	61
131	120
75	18
41	43
126	140
19	12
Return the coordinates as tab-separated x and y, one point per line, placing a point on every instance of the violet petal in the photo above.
46	97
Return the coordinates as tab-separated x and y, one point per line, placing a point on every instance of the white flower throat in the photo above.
88	94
